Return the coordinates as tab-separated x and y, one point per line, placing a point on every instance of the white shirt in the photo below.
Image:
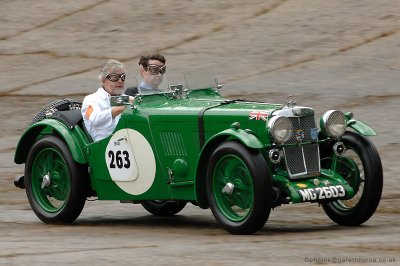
100	123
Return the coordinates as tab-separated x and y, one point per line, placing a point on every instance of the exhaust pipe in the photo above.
19	182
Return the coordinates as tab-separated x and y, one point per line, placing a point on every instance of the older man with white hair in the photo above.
99	117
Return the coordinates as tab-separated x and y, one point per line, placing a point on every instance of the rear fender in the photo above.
244	137
74	139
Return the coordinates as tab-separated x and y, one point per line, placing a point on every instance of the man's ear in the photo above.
142	70
103	81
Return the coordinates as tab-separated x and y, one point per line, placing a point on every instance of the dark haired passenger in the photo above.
152	69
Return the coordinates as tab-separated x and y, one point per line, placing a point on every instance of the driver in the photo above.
152	69
99	117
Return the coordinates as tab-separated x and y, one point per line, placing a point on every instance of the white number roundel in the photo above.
130	161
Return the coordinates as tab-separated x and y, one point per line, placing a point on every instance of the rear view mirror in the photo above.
119	100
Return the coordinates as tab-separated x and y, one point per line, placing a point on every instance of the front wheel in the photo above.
163	207
55	183
362	167
239	188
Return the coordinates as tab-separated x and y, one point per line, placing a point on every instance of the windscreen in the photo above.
200	78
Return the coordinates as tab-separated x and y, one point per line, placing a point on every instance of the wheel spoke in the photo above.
231	166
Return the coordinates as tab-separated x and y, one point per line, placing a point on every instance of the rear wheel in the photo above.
55	183
163	207
239	188
362	168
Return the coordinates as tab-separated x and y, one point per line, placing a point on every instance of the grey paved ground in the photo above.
328	54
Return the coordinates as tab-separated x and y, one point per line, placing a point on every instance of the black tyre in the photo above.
362	168
239	188
163	207
56	185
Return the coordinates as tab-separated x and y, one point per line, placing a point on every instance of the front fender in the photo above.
72	137
358	126
245	137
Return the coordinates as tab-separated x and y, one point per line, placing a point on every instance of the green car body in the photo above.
196	146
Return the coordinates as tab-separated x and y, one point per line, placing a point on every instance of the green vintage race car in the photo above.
189	144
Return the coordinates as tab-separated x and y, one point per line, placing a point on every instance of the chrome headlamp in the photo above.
333	123
280	128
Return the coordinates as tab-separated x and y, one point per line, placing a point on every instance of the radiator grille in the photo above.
302	160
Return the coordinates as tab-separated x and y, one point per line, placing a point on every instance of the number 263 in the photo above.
119	159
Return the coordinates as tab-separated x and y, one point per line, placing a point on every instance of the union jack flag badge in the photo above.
258	115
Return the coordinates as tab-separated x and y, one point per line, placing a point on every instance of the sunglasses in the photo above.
155	69
116	77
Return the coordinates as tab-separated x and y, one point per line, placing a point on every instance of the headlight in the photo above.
280	128
333	123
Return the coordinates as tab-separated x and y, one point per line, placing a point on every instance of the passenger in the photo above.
152	69
99	117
